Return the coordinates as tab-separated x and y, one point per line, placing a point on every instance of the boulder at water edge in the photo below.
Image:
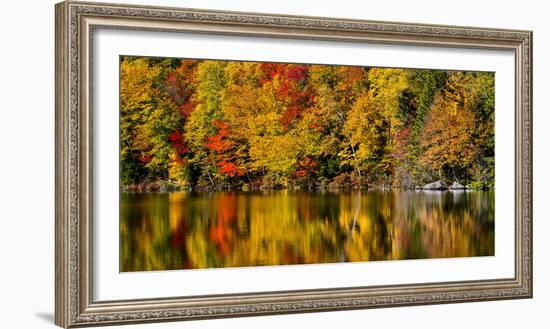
439	185
457	186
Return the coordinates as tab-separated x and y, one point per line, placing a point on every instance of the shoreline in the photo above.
126	189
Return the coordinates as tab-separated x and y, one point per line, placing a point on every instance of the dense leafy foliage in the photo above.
214	125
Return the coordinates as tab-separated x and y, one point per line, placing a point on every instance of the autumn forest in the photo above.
212	125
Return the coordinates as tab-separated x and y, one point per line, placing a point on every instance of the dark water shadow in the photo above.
46	316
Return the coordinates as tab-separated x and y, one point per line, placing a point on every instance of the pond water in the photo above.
184	230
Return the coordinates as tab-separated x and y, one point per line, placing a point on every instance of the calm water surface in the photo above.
179	230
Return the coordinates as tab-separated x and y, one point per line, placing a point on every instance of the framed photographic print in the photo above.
217	164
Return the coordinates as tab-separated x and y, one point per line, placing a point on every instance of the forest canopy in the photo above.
221	125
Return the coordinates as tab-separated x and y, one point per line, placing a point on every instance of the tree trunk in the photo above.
210	178
356	163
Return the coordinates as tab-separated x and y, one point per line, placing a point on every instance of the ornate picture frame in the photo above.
75	24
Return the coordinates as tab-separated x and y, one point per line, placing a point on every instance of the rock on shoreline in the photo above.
438	185
441	186
457	186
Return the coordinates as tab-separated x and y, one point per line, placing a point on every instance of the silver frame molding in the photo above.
75	24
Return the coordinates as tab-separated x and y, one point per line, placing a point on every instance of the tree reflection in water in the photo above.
179	230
